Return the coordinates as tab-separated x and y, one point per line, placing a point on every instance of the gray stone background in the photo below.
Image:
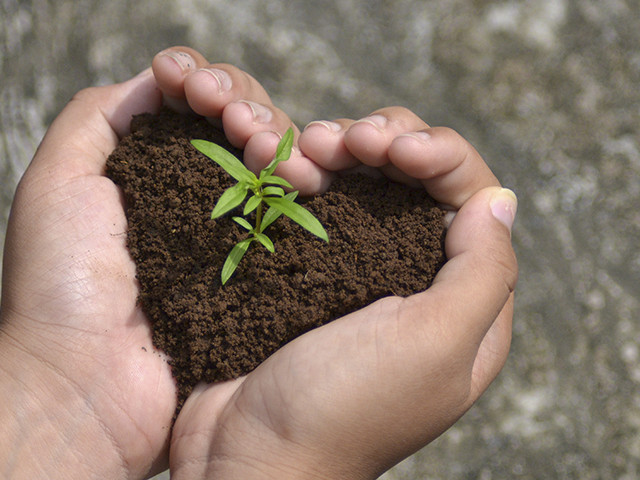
549	93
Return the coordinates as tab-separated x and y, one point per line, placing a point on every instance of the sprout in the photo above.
267	199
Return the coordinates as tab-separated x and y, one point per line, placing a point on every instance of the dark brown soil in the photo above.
385	239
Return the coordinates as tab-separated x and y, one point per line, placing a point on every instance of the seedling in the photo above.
267	198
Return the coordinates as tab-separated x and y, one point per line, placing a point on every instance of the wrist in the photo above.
247	448
267	462
49	430
256	461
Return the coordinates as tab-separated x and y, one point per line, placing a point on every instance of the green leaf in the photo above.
269	169
272	214
230	199
274	180
273	191
251	204
242	222
298	214
283	152
225	159
232	261
266	241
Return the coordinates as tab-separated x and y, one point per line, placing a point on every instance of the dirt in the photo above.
385	239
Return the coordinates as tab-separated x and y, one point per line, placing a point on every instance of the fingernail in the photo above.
278	134
261	114
331	126
504	205
377	121
423	137
184	60
222	78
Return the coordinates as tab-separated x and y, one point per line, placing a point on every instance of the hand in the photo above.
75	375
352	398
84	394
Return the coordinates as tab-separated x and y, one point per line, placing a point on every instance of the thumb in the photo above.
91	124
481	272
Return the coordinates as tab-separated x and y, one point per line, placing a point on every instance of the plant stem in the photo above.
258	217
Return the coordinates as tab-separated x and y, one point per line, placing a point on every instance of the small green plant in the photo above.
266	191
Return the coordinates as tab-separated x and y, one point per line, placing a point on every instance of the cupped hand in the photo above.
79	374
85	390
74	343
352	398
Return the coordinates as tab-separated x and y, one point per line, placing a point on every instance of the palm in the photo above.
69	302
71	290
353	380
77	290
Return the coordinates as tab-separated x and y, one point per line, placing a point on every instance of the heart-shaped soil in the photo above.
385	239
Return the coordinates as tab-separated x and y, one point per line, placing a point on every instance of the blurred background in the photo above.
548	92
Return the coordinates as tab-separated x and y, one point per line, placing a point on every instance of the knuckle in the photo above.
503	262
86	94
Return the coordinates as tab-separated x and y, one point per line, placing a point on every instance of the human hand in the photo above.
84	398
352	398
84	394
73	340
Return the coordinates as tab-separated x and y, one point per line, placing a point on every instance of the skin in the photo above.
83	399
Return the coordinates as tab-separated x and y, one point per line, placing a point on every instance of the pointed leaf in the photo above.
274	180
266	241
283	152
225	159
273	191
243	223
269	169
272	214
230	199
251	204
232	261
298	214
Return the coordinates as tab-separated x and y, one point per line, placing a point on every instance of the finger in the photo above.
344	144
249	118
91	125
369	138
478	280
245	118
170	68
306	176
323	143
492	353
190	84
258	128
447	165
211	88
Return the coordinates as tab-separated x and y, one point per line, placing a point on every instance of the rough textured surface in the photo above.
384	239
548	91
